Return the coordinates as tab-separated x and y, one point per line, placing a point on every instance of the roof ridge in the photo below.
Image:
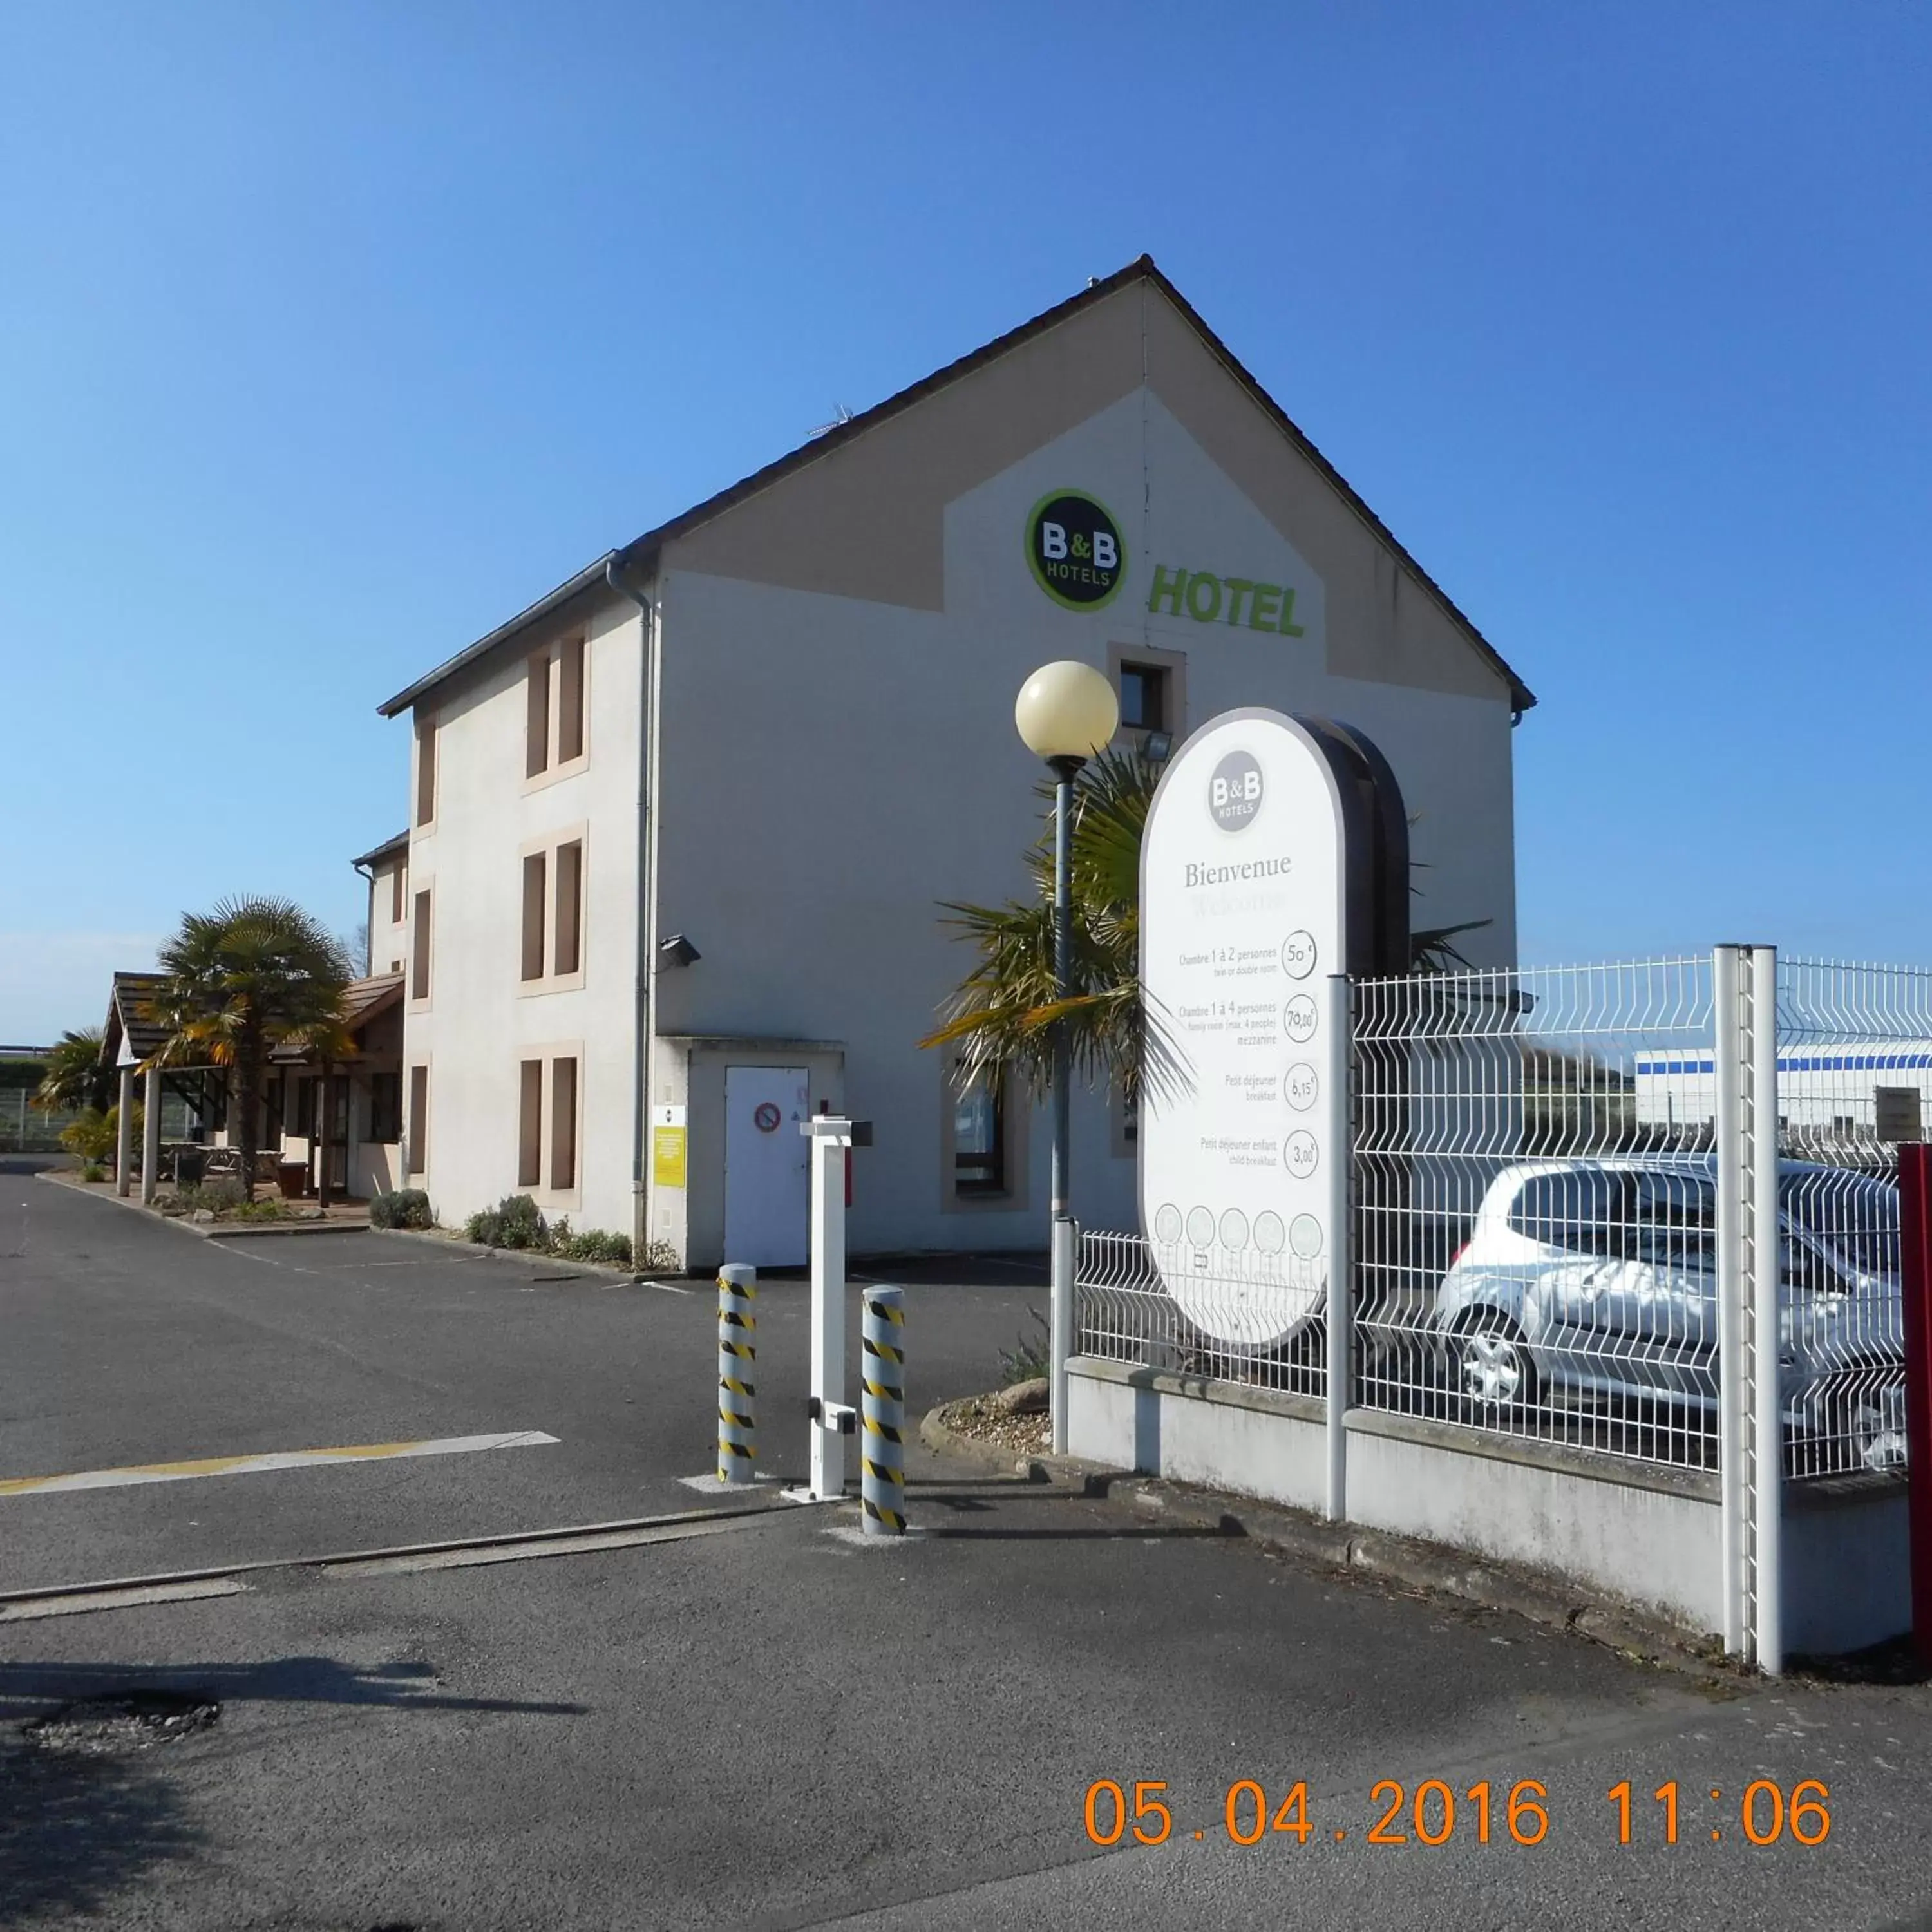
825	442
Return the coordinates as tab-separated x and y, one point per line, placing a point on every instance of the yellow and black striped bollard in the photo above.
882	1449
737	1365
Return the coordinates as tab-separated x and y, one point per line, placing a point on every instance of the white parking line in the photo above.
286	1459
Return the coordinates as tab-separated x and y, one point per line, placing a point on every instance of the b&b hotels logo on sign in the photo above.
1235	791
1074	546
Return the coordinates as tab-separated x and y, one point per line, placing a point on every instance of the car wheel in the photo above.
1490	1362
1873	1420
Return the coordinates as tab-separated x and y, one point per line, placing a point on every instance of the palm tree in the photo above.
253	975
1003	1012
75	1078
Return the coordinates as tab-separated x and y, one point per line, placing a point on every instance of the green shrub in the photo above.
514	1222
221	1195
1028	1358
91	1136
659	1258
593	1244
406	1207
92	1170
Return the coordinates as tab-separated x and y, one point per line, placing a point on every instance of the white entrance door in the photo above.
767	1166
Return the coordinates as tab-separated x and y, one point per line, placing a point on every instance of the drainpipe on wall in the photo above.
647	910
369	921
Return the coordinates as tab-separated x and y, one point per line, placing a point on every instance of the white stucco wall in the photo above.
389	939
832	768
478	1024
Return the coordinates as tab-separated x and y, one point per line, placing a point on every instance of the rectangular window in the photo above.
271	1109
568	957
396	896
530	1125
562	1125
1898	1113
1144	697
536	716
533	916
426	771
305	1108
415	1158
419	949
385	1108
980	1137
570	701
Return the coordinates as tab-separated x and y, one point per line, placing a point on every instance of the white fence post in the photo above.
1341	1244
1734	1440
1767	1328
1750	1408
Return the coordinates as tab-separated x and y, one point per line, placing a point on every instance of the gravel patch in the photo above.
981	1417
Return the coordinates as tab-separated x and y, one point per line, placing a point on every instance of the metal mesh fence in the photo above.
27	1129
1854	1070
1251	1317
1535	1244
1537	1215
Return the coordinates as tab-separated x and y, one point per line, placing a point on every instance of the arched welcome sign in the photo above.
1257	883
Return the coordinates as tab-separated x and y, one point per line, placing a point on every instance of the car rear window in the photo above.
1854	1217
1675	1220
1573	1211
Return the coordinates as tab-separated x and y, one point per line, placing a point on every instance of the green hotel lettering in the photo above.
1210	599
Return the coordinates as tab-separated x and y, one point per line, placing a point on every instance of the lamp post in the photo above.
1066	712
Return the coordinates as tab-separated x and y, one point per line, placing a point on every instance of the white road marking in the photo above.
287	1459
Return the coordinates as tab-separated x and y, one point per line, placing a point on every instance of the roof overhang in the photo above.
388	849
128	1038
588	578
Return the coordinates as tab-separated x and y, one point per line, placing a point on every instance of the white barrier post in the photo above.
831	1416
882	1448
737	1372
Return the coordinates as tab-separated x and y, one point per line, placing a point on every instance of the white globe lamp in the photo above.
1067	709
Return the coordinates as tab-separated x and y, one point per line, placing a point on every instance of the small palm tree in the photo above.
75	1078
1003	1012
253	975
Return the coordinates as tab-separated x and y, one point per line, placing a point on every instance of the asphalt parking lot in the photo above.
130	1343
762	1722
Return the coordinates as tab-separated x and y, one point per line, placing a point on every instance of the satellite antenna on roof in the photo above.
839	421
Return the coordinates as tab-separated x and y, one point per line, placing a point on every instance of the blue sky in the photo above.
331	336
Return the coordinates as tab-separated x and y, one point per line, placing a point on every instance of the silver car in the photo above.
1598	1278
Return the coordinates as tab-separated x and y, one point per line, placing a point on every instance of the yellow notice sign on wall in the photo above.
668	1156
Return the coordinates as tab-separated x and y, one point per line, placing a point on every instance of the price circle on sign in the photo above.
766	1118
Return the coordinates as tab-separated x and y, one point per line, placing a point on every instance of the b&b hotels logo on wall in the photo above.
1074	546
1079	559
